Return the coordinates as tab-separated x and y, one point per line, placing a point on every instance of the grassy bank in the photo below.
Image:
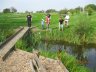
81	30
81	27
30	43
69	61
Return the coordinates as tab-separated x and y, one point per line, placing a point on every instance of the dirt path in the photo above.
19	61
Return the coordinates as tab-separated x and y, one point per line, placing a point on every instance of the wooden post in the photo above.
36	62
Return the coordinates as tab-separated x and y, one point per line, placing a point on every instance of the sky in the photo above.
36	5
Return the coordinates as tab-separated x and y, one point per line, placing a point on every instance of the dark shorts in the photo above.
29	23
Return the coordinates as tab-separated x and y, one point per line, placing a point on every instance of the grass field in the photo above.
10	21
81	29
78	22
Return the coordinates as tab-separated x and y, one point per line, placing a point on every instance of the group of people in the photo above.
62	21
48	18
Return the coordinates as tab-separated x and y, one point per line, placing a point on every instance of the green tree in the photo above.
72	11
78	9
50	11
90	11
7	10
92	6
42	11
26	11
63	11
13	10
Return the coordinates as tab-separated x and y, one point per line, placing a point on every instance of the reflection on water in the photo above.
86	55
91	57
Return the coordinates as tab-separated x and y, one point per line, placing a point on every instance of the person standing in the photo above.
66	20
42	23
61	23
47	21
49	16
29	19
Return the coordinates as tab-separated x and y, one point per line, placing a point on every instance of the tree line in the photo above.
10	10
89	9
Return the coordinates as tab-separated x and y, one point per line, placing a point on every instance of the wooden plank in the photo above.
31	65
8	39
5	50
36	62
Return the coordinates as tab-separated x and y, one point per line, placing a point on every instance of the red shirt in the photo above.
47	20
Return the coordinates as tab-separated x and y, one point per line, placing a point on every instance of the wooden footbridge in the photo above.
20	59
7	46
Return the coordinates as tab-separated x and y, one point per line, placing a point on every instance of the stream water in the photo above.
85	54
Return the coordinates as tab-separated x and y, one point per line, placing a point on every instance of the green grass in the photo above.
28	42
69	61
86	23
11	21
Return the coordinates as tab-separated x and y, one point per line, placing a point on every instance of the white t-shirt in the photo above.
67	18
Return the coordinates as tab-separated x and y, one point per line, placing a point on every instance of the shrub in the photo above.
83	28
90	11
